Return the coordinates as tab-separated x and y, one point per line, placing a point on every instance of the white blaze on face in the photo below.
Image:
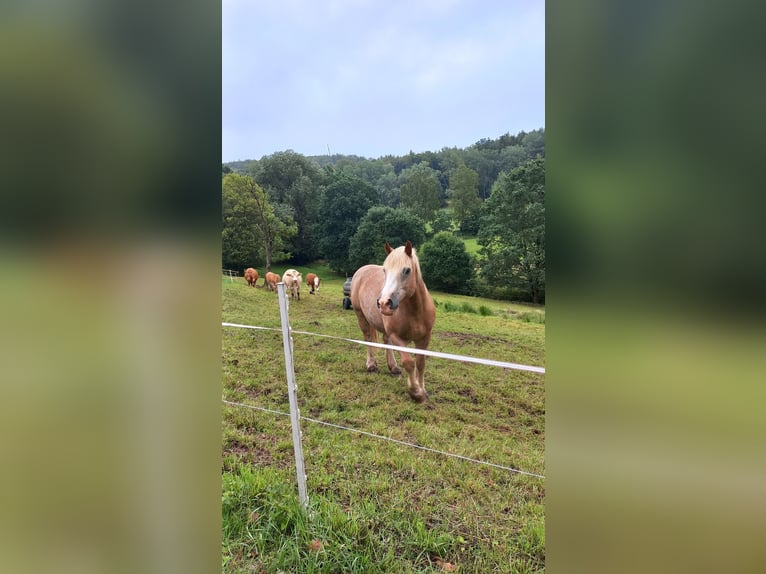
390	286
392	291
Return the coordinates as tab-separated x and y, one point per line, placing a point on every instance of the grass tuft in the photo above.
466	307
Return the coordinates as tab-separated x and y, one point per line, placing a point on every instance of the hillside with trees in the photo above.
290	207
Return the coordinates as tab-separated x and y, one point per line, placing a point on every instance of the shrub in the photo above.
446	265
381	225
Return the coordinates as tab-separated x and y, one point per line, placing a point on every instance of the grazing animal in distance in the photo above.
312	280
393	299
293	280
271	280
251	276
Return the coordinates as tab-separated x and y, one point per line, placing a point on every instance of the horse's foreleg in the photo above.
417	392
390	357
420	367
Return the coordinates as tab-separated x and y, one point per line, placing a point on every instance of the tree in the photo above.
534	143
445	263
295	182
241	245
512	231
485	163
442	221
421	190
388	186
369	170
379	225
344	202
464	196
252	231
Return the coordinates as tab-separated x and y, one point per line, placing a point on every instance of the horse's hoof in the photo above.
396	371
419	397
372	369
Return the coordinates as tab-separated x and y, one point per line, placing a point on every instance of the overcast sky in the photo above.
378	77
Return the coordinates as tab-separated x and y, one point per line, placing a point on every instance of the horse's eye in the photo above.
406	271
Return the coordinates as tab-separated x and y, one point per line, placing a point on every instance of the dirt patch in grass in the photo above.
469	394
260	453
471	337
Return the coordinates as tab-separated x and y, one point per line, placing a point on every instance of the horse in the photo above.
251	276
293	280
271	280
312	280
393	299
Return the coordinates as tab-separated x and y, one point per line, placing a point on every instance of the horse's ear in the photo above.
388	248
408	248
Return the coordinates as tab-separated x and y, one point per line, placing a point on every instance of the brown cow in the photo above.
292	279
312	280
251	276
271	280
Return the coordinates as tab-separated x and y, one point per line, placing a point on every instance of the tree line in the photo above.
340	208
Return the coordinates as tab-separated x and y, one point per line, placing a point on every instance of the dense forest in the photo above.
343	208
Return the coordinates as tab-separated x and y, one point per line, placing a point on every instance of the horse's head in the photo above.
402	270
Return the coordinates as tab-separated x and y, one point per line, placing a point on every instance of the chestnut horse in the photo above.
394	300
312	280
271	280
251	276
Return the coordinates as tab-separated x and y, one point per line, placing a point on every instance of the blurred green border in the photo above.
654	335
109	288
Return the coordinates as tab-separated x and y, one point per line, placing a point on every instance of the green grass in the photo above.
376	506
471	245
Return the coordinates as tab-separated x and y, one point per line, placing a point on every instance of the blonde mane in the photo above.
398	260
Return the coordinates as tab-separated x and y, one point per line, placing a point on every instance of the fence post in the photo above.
292	392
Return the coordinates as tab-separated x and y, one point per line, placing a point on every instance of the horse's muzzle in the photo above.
388	306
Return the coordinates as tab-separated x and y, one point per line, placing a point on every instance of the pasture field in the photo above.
374	505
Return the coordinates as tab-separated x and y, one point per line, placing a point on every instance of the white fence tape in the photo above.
463	358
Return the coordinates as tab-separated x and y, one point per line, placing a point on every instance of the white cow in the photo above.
293	279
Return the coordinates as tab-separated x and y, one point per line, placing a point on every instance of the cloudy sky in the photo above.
378	77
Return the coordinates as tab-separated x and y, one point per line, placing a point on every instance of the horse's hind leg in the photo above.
420	368
372	364
390	358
